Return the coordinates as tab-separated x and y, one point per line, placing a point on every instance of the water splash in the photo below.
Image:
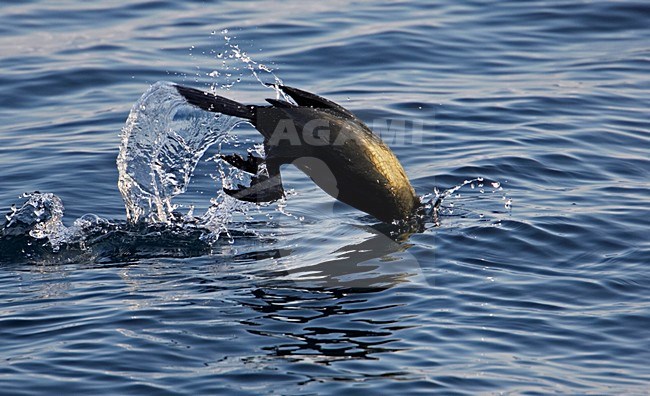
162	142
35	233
233	59
41	218
164	138
433	202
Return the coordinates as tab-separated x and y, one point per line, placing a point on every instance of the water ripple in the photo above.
538	285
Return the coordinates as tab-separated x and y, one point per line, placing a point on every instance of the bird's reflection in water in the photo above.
336	309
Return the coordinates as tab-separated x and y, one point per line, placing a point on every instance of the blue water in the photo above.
533	280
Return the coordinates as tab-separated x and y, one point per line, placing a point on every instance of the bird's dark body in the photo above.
325	141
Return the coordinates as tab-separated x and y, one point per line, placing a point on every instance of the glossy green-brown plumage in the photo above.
329	144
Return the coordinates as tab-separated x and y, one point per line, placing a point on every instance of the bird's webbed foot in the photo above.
262	189
249	165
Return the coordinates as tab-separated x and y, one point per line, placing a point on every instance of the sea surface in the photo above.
531	119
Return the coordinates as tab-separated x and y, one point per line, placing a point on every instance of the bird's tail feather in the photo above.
216	103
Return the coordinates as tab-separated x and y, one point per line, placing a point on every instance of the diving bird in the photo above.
325	141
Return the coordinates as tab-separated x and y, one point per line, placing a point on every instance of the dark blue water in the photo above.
534	280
